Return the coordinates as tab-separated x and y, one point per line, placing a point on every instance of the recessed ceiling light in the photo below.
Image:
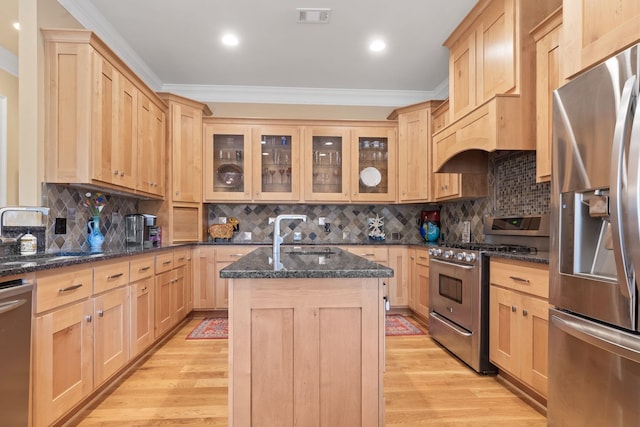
377	45
16	25
230	40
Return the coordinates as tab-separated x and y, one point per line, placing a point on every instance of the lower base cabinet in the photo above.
519	321
142	321
419	292
62	361
111	333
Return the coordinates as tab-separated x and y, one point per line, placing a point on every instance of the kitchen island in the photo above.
306	340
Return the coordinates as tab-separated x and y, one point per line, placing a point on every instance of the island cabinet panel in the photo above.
306	352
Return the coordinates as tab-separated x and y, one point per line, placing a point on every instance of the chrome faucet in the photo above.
277	239
42	210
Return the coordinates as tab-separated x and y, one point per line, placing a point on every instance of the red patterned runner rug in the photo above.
218	328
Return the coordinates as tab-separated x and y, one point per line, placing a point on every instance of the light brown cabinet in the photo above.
414	151
419	291
373	150
327	163
547	37
95	130
276	163
595	30
300	323
518	321
141	292
111	333
491	83
398	285
224	257
151	147
227	162
182	215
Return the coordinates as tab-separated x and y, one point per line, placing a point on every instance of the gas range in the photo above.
469	253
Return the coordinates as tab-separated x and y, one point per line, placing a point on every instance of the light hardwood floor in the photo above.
184	383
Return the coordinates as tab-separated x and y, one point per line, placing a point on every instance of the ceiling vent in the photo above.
313	15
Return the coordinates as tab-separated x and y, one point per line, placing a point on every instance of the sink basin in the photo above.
308	251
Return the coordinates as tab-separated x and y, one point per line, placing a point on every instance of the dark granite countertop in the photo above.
322	262
16	265
538	258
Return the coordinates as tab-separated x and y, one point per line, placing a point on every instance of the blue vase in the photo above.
96	238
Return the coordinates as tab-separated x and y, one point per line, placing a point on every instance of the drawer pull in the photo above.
167	262
237	255
423	257
70	288
181	259
144	269
144	289
367	255
115	276
519	279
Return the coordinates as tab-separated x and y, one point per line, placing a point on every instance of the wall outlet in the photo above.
321	220
115	218
60	226
327	227
71	214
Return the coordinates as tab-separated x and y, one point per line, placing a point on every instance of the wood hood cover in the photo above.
464	145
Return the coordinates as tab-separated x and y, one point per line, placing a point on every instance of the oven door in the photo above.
451	292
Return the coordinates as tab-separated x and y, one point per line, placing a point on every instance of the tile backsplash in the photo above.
511	176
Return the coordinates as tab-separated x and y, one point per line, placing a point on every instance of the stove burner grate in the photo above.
493	247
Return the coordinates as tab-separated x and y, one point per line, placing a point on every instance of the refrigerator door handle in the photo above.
626	276
606	338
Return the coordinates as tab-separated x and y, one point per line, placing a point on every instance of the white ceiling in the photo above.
175	46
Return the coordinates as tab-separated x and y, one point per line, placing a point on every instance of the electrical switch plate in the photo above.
71	214
115	218
321	220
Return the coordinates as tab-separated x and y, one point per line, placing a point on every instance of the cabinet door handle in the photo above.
423	257
88	318
237	255
115	172
100	313
525	312
70	288
519	279
514	308
167	262
143	289
115	276
144	269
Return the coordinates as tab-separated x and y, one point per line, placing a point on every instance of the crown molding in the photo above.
90	18
299	95
8	61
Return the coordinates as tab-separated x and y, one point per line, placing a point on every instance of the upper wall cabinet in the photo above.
595	30
547	36
491	54
100	118
414	151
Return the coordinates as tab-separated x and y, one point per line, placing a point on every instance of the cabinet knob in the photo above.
514	308
177	193
88	318
101	313
115	172
525	312
121	173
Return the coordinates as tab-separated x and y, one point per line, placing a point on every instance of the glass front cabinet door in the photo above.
276	159
374	152
326	164
228	172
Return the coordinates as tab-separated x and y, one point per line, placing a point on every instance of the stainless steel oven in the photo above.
459	285
458	305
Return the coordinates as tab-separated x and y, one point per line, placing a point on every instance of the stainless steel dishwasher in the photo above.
15	350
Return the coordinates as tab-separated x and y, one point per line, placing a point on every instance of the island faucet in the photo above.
277	239
42	210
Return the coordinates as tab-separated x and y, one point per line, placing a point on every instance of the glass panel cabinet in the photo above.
228	162
374	177
276	163
327	164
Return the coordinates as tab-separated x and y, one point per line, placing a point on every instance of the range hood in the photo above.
498	124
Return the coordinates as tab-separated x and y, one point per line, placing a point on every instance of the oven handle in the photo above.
449	324
452	264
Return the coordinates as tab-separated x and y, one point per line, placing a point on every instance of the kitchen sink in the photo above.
297	250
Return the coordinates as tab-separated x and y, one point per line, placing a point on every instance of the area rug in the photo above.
218	328
210	328
398	325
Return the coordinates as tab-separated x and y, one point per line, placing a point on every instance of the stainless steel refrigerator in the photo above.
594	340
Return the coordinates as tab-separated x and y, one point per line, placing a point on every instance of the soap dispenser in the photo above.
28	244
